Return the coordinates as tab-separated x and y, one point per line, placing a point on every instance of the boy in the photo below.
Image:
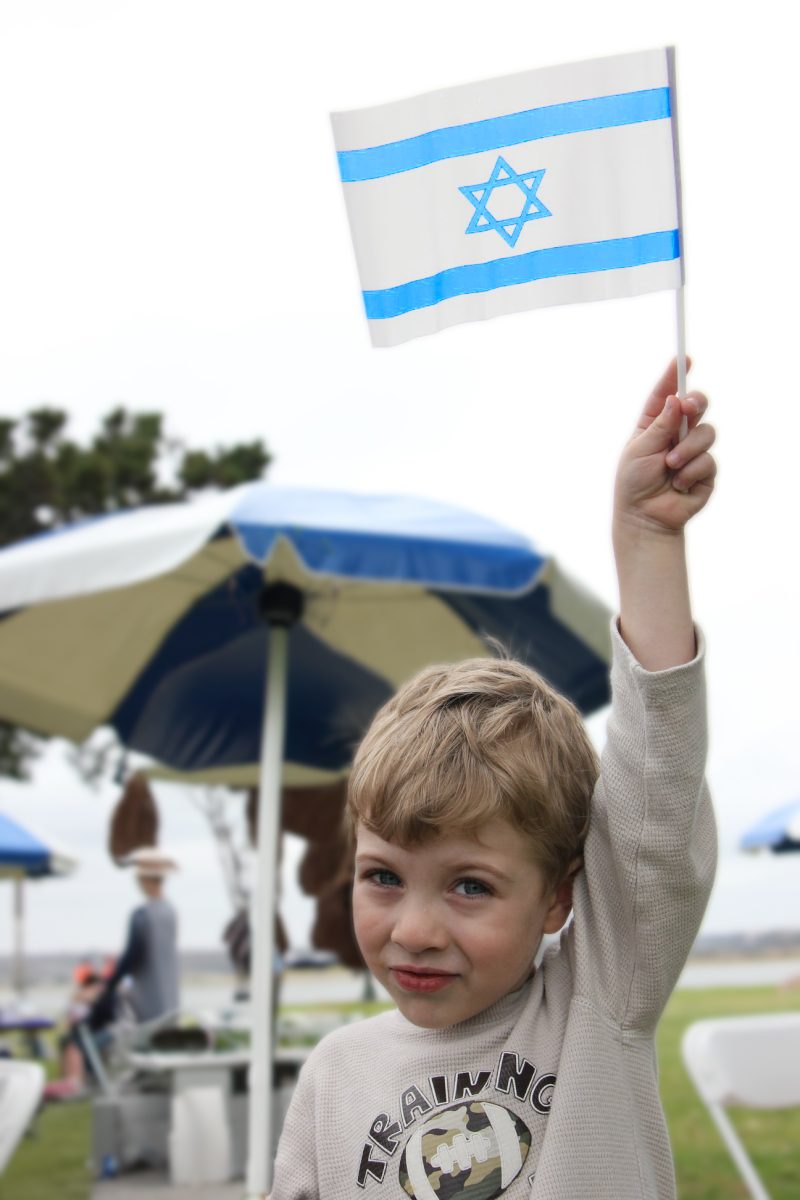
470	798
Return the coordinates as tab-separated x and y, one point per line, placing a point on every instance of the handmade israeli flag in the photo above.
547	187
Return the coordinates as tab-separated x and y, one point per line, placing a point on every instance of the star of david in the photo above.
479	195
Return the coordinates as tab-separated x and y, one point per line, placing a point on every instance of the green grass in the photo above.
703	1167
54	1161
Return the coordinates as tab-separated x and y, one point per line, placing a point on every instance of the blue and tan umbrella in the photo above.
778	831
267	625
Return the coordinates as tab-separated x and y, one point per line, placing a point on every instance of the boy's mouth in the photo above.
421	979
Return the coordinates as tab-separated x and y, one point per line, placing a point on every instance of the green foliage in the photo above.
225	468
18	749
48	479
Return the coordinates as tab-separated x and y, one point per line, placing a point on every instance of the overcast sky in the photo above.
173	237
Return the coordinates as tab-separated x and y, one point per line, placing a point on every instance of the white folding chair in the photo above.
21	1086
749	1061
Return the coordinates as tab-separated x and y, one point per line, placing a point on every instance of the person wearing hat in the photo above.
150	957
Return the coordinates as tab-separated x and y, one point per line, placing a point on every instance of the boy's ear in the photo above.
561	899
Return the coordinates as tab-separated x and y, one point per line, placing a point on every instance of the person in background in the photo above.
88	978
150	957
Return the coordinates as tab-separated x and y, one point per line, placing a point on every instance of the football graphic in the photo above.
471	1150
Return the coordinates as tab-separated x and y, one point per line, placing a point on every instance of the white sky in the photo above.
173	237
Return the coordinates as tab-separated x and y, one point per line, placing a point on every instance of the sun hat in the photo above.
150	861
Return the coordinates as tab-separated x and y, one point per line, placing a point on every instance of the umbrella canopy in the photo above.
151	621
778	831
23	854
268	624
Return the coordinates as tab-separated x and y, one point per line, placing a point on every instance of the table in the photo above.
29	1026
207	1140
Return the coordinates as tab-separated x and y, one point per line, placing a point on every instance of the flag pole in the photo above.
680	305
680	325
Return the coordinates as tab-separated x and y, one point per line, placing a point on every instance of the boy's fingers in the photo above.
662	431
698	440
701	470
693	406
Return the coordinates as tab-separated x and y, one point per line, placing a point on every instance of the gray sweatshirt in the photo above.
154	968
552	1093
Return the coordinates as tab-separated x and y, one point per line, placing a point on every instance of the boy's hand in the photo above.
663	482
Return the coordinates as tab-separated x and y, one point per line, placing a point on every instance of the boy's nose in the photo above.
417	928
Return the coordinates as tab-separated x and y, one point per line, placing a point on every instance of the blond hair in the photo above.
461	744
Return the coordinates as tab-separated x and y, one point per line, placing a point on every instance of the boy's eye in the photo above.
383	878
472	887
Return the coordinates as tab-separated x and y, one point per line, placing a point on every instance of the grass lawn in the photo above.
54	1161
703	1165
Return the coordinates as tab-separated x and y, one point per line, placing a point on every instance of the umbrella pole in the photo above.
281	606
19	935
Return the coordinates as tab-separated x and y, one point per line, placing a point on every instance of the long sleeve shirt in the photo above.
150	961
552	1093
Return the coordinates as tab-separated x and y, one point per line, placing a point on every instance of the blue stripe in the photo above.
430	561
455	141
581	259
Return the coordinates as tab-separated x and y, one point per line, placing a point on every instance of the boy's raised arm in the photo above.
661	484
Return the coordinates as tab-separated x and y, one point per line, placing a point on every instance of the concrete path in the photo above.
155	1185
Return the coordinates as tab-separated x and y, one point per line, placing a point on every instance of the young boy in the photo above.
480	823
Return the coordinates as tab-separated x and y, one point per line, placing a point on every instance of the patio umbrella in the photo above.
778	831
22	855
267	623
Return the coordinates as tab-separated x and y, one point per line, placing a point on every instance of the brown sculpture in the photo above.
134	821
326	871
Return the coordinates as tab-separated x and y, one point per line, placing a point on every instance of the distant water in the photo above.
700	973
215	993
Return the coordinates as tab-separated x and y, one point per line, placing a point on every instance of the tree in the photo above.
48	479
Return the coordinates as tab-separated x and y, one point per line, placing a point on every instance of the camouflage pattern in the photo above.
460	1154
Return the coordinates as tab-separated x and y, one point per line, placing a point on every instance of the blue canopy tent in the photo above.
778	831
23	856
266	625
21	852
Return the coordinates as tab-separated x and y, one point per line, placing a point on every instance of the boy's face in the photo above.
452	925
